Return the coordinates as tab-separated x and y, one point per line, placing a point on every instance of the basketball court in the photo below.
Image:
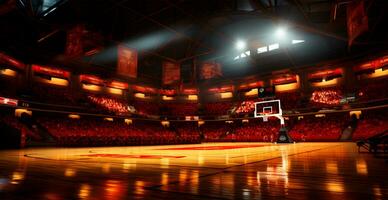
200	171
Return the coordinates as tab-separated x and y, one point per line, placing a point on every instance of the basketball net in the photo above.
265	117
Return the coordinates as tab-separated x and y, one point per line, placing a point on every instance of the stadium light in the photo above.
240	45
280	32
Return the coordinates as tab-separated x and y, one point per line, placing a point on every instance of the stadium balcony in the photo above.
112	105
326	97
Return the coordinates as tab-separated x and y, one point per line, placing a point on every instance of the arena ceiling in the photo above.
187	31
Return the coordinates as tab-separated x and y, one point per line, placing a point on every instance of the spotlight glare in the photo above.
280	32
240	45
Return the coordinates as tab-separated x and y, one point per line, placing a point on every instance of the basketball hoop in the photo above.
266	109
265	118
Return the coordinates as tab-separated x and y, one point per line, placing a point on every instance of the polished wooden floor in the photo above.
206	171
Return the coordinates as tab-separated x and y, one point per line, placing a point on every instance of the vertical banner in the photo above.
171	72
210	70
127	61
357	20
74	41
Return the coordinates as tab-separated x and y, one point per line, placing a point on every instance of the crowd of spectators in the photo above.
187	131
246	107
255	131
311	129
326	96
146	107
96	132
179	109
218	108
289	100
214	131
112	105
53	95
370	124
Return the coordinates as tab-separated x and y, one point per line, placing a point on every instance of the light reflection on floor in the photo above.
205	171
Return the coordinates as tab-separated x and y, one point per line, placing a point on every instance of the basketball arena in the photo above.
185	99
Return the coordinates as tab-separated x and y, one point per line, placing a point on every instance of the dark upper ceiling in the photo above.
187	31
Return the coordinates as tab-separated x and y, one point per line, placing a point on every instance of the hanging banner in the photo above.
357	20
210	70
127	62
171	73
74	41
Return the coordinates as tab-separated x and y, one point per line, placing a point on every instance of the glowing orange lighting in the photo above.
17	177
335	187
8	72
139	187
70	172
362	167
84	191
332	167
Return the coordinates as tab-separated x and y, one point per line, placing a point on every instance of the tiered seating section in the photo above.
246	107
53	95
371	124
95	132
289	100
146	108
326	97
312	129
214	131
219	108
179	109
255	131
12	121
112	105
373	90
187	132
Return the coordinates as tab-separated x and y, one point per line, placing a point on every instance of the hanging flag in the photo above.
74	41
357	20
210	70
127	61
171	72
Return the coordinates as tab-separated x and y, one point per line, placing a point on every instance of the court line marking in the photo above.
90	160
157	187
